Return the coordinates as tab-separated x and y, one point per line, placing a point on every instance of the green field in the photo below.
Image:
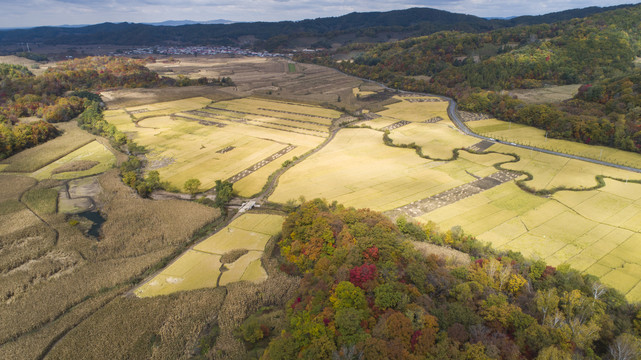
182	148
200	266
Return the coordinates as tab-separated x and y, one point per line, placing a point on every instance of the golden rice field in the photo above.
182	148
584	228
596	231
552	171
415	111
527	135
200	267
437	140
358	170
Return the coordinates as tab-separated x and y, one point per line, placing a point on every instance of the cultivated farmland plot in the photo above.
201	267
195	138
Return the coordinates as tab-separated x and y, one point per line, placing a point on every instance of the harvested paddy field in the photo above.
242	141
204	265
273	77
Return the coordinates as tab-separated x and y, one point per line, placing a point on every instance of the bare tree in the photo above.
625	347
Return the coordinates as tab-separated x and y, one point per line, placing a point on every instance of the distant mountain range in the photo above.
317	33
190	22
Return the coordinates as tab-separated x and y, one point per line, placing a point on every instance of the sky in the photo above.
28	13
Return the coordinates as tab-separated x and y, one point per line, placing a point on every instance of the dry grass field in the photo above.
48	257
201	266
547	94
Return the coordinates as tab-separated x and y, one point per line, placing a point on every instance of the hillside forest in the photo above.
366	292
477	69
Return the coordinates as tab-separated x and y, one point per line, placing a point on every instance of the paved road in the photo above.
451	111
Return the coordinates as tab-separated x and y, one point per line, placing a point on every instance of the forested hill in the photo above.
367	293
598	51
362	27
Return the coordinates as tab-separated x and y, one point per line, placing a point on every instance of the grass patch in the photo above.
10	206
42	201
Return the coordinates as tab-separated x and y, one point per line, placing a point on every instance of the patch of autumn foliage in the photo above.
366	293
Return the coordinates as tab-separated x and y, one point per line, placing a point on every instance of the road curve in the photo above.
453	114
451	111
